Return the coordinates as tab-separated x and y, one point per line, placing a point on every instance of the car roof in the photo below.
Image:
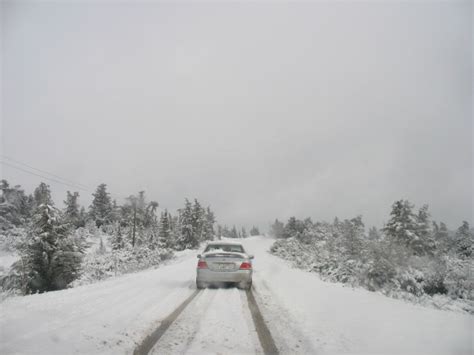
223	242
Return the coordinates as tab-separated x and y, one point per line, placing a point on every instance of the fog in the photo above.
262	110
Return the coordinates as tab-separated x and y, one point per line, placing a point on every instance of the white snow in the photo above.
331	318
6	261
107	317
218	321
304	314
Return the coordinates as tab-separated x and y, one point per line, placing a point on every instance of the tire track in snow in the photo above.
264	335
289	338
182	332
148	343
217	321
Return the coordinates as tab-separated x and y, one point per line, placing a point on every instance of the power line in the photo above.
42	176
45	172
54	177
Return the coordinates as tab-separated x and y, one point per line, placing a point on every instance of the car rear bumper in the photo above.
209	276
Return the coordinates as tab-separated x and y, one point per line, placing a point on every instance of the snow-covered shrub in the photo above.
99	266
378	272
383	266
459	279
10	240
410	280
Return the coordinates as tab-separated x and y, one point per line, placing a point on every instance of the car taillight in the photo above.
245	266
202	264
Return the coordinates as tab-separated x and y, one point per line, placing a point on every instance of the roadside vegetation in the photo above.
411	257
56	248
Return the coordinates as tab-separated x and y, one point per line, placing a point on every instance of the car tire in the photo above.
200	285
243	285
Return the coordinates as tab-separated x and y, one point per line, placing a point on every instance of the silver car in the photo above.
224	262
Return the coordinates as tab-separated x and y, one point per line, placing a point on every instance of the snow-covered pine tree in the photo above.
243	233
277	229
100	211
464	240
165	233
425	243
254	231
209	221
353	237
117	241
82	217
187	237
42	195
71	211
234	233
52	259
151	219
15	207
198	220
402	226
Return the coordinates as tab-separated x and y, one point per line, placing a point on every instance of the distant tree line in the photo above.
226	232
51	251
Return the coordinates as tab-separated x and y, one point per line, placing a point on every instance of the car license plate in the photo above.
224	267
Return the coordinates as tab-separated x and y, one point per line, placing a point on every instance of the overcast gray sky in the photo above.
260	109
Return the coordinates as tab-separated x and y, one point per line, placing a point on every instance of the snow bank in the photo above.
106	317
337	319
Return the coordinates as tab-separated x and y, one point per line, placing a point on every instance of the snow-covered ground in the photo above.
304	314
218	321
331	318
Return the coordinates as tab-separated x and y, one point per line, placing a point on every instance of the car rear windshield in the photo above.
225	247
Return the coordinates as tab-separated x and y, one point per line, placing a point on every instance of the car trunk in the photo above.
223	262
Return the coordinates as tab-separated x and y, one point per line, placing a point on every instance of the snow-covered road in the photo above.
218	321
304	315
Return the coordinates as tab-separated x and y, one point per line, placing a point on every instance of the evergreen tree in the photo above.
165	231
150	218
198	220
234	233
52	258
100	211
402	226
71	211
277	229
118	241
254	231
15	206
352	237
42	195
425	243
187	238
209	221
464	240
293	228
243	233
82	217
225	231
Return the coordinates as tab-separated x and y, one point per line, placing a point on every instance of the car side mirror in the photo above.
251	256
199	256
